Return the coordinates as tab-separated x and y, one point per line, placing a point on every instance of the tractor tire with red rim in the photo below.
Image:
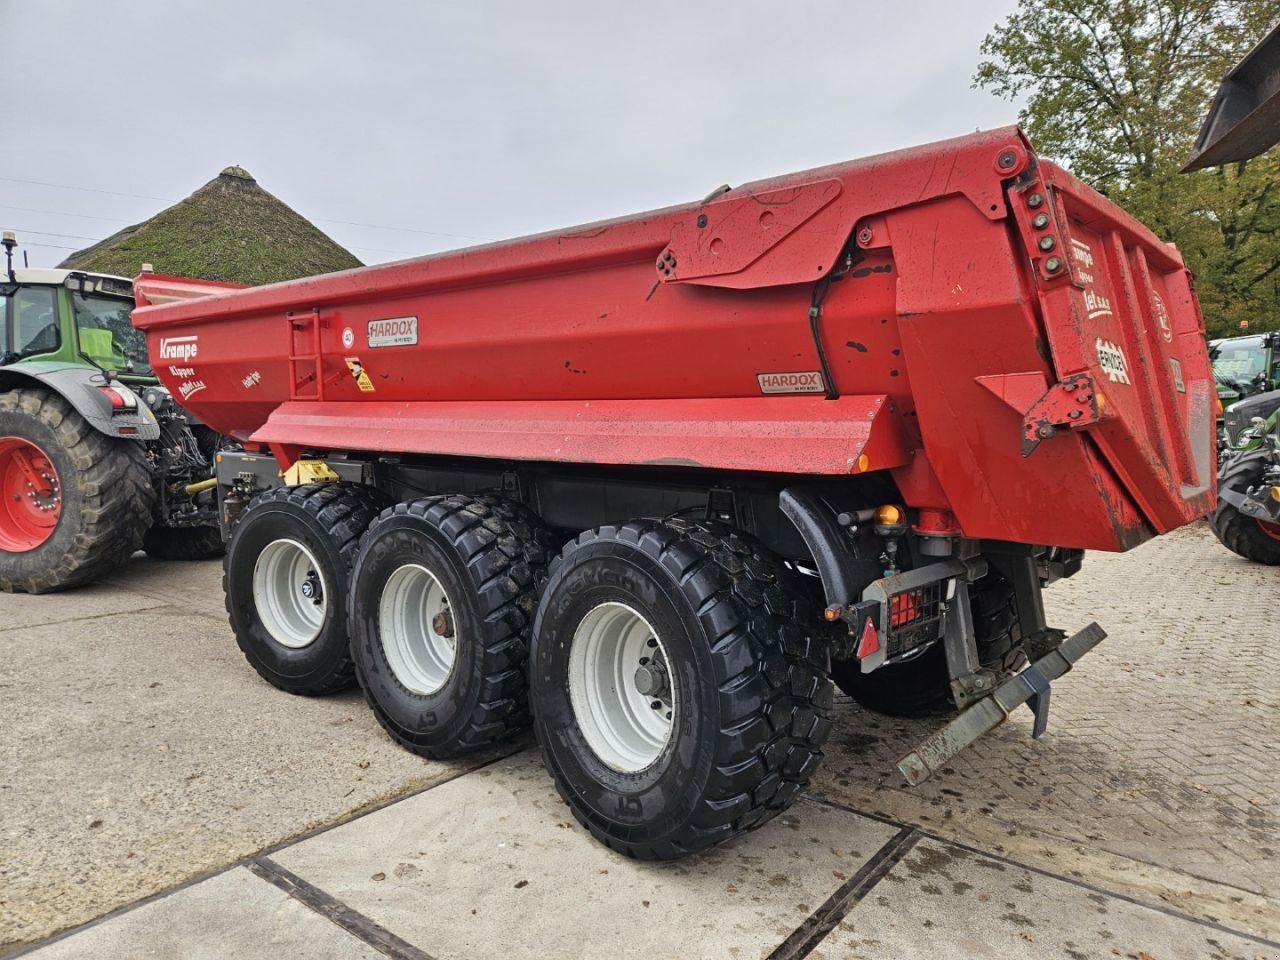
74	503
679	690
1249	537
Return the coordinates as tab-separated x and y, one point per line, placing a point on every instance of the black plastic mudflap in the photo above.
1031	686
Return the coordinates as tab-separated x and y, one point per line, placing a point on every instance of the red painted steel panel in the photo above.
780	434
942	289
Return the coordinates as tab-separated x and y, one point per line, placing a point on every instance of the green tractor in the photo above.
97	460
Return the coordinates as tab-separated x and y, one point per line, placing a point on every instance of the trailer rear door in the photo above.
1120	308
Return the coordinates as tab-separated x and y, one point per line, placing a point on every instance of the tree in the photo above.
1116	91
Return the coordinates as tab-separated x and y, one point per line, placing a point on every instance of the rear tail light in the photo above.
905	608
123	400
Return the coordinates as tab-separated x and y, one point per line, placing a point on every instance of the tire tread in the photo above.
775	709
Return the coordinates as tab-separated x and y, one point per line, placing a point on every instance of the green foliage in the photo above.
230	230
1116	91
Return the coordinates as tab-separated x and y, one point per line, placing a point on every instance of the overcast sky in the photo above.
463	121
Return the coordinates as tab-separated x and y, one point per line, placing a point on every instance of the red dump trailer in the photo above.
653	483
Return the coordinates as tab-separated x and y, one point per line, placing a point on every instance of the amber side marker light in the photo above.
888	515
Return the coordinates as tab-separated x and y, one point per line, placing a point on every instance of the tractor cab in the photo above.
1245	366
72	317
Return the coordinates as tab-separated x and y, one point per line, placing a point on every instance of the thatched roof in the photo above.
230	229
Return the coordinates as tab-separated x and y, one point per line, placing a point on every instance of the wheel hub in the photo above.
620	687
651	680
288	592
311	587
30	495
416	628
442	623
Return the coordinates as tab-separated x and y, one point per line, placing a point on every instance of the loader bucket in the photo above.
1244	119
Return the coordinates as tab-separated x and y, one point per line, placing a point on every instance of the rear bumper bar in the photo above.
1031	685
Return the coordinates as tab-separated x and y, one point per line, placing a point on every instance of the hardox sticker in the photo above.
806	381
393	332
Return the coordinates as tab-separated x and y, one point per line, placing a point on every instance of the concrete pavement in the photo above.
141	753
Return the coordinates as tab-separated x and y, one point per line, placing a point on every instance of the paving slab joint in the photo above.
847	896
335	911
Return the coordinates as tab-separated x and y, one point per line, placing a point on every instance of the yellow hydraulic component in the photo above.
191	489
1275	493
309	471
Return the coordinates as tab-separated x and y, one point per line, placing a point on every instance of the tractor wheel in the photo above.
1249	537
922	686
286	579
679	695
74	503
443	596
183	543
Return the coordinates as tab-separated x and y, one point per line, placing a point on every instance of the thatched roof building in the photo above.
230	230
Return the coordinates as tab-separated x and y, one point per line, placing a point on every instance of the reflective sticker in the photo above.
809	381
1111	360
1178	383
358	372
393	332
869	642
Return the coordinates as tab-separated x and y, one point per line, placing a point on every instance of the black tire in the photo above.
922	686
327	519
183	543
744	663
490	557
1243	535
106	488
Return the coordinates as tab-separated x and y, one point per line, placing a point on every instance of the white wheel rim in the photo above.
625	726
290	593
418	632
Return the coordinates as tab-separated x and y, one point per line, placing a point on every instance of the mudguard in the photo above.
81	387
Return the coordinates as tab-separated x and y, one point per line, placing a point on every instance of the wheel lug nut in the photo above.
657	704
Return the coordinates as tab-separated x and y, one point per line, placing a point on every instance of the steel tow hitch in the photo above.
1031	687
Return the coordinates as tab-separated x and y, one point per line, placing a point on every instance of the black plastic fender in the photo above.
80	387
844	575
